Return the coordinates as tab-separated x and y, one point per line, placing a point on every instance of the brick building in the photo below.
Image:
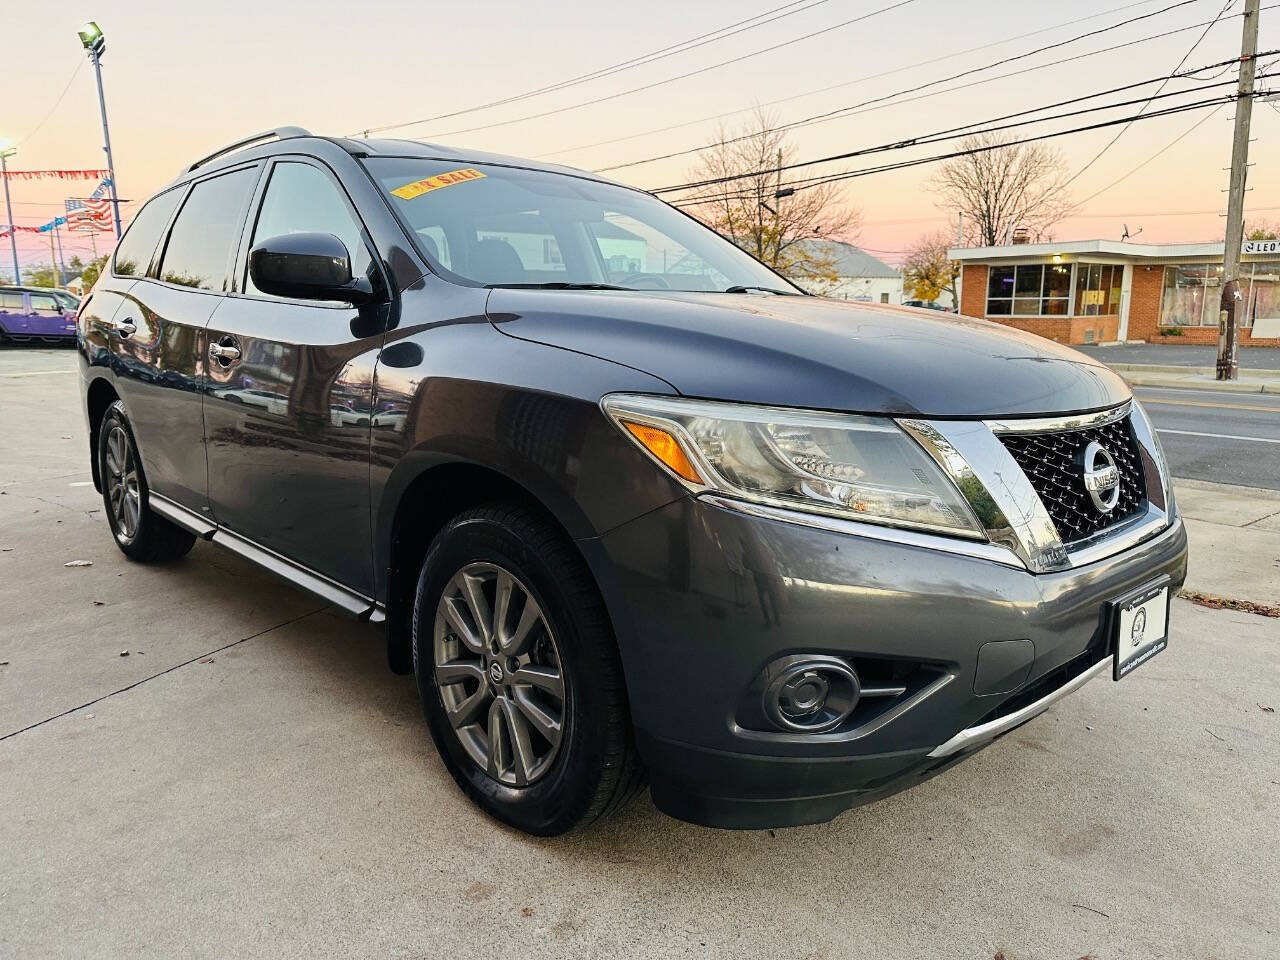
1096	291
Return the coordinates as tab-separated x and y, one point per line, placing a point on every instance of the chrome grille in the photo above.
1053	462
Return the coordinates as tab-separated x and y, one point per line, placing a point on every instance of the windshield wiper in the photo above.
557	285
748	287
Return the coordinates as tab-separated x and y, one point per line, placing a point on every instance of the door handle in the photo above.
125	328
225	351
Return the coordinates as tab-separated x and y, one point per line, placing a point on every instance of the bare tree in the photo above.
927	270
747	211
1002	187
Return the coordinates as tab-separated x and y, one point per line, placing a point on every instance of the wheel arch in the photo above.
99	396
425	499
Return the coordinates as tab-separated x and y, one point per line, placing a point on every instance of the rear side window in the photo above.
301	198
11	301
133	255
206	230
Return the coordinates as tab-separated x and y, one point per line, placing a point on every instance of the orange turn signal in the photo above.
666	448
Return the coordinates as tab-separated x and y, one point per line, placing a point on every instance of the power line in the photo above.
844	83
804	184
683	76
843	111
1168	112
1168	146
80	61
684	46
988	125
1125	129
1026	70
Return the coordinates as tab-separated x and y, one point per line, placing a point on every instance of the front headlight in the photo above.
843	465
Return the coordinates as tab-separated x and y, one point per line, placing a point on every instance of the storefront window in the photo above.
1262	291
1029	291
1191	295
1098	289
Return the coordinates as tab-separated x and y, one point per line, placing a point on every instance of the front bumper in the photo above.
704	597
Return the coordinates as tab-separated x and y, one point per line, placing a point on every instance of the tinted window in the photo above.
206	229
302	199
133	255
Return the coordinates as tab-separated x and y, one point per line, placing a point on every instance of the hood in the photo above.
811	352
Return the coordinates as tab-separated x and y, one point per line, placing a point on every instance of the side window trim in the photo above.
161	239
157	259
240	270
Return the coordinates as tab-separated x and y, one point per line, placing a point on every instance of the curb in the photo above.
1197	383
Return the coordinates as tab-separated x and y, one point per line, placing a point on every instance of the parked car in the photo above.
33	314
926	305
778	555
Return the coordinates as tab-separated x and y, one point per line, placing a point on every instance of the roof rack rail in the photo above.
279	133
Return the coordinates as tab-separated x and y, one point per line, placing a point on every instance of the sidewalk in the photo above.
1196	378
1235	540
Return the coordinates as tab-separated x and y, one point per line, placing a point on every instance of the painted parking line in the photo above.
40	373
1220	436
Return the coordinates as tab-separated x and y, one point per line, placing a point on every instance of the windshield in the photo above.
505	226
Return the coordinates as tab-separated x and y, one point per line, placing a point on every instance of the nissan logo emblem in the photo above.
1101	478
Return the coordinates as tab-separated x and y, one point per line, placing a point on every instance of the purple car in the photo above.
31	314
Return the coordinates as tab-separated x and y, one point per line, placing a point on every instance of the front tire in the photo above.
139	533
519	673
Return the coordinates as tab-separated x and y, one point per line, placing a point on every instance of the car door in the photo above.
290	394
158	330
48	318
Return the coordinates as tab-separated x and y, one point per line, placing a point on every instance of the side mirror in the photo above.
307	266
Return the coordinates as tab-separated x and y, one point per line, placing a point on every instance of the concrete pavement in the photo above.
250	781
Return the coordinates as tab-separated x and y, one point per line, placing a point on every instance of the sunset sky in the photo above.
182	80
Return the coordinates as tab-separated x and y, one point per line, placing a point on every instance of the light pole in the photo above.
6	152
95	44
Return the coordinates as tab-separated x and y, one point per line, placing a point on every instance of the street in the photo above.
249	780
1217	436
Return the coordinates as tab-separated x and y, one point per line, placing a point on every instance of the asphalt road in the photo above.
1217	436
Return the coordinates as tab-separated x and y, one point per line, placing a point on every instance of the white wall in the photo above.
863	288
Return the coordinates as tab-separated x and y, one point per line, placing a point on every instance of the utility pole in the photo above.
95	44
5	153
1228	317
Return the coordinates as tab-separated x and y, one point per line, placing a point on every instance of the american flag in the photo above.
91	213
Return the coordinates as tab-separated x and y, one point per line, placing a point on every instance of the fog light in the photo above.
810	694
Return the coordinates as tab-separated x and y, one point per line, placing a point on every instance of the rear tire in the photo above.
546	756
139	533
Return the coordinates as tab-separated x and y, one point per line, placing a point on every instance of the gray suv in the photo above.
633	508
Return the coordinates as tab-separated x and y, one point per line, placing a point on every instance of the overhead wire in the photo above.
684	46
844	83
841	111
683	76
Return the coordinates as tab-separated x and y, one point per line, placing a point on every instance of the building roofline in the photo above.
1074	248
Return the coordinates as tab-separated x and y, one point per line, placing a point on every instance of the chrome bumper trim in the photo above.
973	736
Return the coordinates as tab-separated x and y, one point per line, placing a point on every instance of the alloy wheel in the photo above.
498	672
123	489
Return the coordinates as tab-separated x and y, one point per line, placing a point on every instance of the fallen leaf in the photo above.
99	603
6	549
206	659
526	911
78	563
1267	709
4	663
124	653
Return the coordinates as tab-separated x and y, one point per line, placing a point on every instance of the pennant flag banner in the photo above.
55	174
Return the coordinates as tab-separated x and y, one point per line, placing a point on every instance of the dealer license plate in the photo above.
1141	628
